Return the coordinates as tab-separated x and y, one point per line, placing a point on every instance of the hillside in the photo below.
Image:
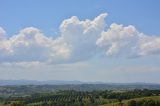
77	98
142	99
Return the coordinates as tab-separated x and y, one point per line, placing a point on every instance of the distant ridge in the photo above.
34	82
62	82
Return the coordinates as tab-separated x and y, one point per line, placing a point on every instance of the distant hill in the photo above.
34	82
53	85
62	82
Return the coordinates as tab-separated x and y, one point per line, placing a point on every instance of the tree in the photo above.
132	103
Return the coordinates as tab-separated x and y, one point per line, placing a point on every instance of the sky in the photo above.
85	40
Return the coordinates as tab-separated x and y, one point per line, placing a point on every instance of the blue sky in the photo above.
40	41
48	15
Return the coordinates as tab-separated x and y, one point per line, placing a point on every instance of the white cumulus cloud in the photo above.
79	40
82	35
127	41
75	43
31	45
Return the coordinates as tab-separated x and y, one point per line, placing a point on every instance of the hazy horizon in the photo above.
89	41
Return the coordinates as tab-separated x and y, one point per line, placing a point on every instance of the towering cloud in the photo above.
78	41
82	35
